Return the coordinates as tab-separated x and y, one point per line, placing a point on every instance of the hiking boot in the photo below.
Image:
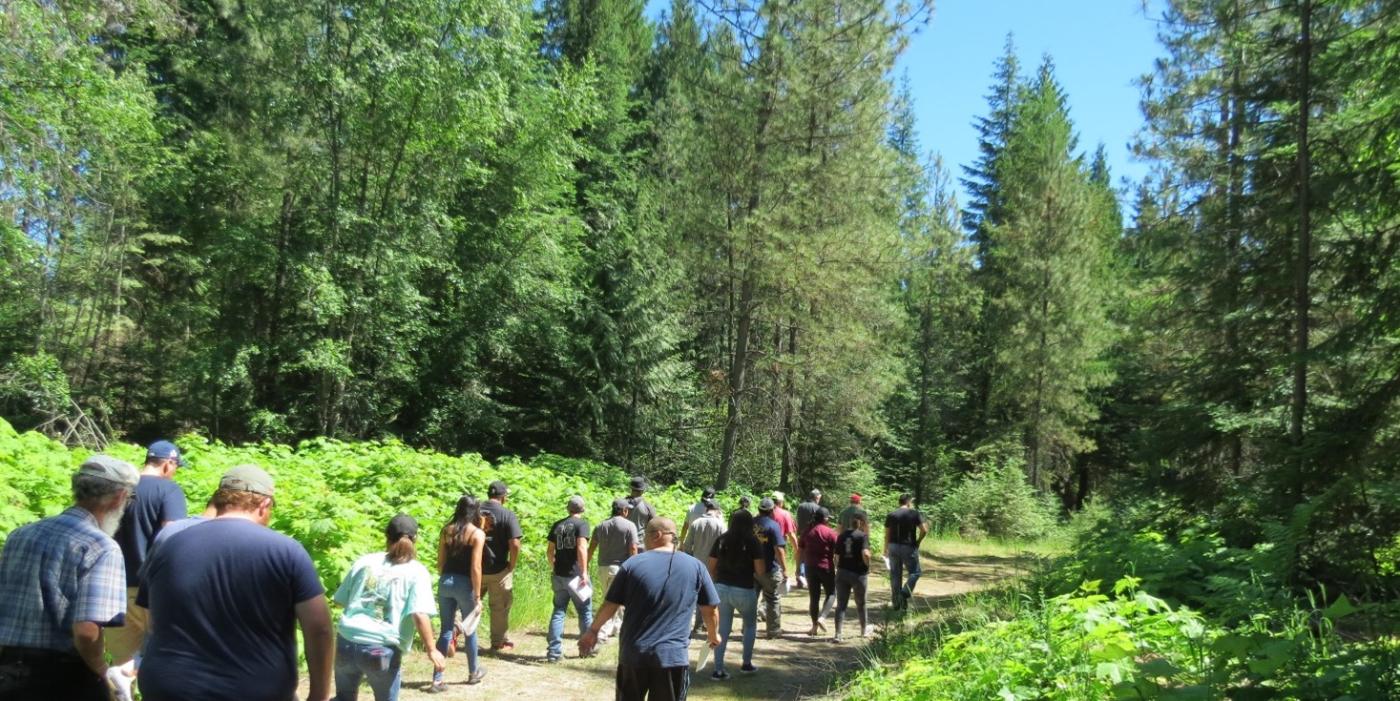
719	675
477	676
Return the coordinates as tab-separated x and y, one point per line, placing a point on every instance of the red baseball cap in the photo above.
855	498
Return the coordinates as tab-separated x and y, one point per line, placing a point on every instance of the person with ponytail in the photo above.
460	548
385	597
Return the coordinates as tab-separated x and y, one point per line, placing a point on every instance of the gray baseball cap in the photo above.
575	504
111	469
247	478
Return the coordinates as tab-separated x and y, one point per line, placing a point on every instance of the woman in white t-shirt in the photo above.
385	597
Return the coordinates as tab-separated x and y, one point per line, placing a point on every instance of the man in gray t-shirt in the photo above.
614	540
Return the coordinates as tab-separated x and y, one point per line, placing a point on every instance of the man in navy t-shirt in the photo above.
225	599
660	588
770	537
157	501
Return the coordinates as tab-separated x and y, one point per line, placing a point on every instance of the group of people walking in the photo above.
124	586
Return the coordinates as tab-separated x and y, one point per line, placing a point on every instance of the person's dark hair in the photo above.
468	512
740	525
857	519
905	498
744	503
401	550
821	516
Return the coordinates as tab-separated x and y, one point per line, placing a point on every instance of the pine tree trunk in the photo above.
738	371
1302	296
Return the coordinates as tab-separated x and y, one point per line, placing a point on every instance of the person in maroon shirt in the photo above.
818	554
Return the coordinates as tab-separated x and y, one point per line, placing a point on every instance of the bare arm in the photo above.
582	562
589	640
514	553
87	638
714	567
480	539
442	551
780	554
425	633
711	614
760	567
592	545
549	554
866	554
887	540
318	636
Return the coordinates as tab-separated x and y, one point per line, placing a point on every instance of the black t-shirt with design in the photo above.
904	526
565	534
734	562
850	548
501	527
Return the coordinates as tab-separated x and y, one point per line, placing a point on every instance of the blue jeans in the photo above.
455	594
376	663
743	600
561	609
902	557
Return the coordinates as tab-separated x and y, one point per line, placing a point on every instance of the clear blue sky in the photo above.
1100	48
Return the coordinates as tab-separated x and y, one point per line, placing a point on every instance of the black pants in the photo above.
821	587
636	682
29	674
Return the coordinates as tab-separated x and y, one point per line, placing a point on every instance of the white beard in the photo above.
112	520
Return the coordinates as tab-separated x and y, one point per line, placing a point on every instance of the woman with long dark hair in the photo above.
385	596
459	586
735	562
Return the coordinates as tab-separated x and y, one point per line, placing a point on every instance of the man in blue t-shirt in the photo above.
225	599
770	538
157	502
660	588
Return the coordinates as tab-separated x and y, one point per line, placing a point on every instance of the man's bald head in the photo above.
661	531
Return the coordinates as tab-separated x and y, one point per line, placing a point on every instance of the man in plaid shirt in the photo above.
62	581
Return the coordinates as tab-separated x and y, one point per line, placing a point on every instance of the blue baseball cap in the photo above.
165	450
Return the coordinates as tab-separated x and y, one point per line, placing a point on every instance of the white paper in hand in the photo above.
470	621
704	656
886	558
581	592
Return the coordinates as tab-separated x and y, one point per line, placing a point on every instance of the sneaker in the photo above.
838	639
813	632
865	632
748	668
719	675
438	688
477	676
506	646
553	658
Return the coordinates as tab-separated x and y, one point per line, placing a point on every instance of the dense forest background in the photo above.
713	248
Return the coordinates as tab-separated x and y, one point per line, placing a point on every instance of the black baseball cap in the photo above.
400	526
497	489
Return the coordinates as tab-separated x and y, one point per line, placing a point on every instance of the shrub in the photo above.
994	499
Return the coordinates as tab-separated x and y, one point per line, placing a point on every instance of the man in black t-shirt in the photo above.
852	568
904	530
568	557
498	561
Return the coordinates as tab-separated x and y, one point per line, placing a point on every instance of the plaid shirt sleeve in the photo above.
101	595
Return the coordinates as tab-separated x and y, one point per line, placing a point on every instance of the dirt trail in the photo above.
795	666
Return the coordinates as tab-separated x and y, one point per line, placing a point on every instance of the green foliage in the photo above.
335	497
995	500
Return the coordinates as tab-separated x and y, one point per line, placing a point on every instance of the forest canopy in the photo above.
712	246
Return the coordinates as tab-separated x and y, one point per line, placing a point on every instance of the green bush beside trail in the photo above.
335	497
1198	621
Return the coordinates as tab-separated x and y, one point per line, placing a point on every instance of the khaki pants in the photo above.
123	643
600	594
498	589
